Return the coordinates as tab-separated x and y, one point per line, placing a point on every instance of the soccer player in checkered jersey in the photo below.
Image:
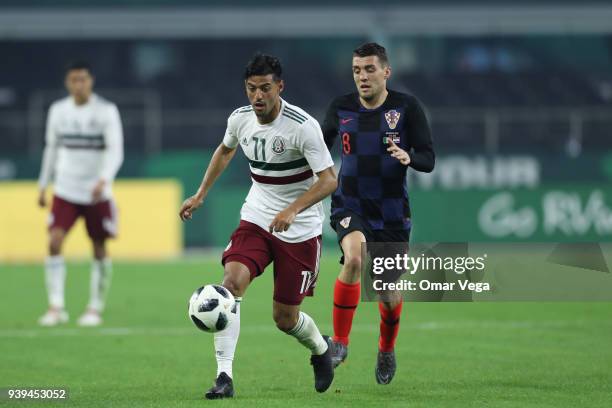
382	133
281	219
83	153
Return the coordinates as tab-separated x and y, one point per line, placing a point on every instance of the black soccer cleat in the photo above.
223	388
339	353
385	367
323	369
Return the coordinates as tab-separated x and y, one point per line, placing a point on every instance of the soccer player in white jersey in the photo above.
83	152
281	219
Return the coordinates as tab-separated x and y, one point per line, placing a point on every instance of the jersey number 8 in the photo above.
346	143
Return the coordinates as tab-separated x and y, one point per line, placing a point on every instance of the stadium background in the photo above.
519	100
519	96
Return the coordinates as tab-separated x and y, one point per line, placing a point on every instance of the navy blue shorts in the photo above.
346	222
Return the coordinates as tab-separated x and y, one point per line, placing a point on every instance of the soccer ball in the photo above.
211	308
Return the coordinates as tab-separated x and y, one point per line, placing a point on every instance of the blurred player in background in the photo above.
383	132
83	153
281	219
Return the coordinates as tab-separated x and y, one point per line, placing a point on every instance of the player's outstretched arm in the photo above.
324	186
217	165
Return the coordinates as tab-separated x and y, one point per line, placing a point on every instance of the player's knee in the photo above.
236	278
390	299
56	239
285	320
352	263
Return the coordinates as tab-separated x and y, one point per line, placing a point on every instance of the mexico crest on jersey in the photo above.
278	145
94	125
392	118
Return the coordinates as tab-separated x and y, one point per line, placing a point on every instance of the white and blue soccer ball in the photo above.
211	308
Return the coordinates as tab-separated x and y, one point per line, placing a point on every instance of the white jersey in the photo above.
283	155
84	144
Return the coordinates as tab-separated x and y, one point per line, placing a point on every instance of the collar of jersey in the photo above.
382	105
92	97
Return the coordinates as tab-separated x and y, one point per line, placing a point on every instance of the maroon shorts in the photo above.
296	265
100	218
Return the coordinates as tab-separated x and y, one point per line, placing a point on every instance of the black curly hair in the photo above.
262	64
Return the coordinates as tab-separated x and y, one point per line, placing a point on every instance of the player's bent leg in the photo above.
346	294
351	248
296	269
245	257
390	308
99	285
236	279
298	324
55	277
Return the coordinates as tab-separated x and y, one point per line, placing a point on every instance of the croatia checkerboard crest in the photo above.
392	118
345	222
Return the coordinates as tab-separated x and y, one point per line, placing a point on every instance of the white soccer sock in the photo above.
101	273
55	276
307	333
225	343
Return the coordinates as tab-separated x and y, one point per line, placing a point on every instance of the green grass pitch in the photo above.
148	354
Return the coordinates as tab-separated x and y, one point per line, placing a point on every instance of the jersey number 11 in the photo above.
263	148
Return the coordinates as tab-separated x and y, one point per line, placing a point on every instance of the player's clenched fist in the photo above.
399	154
282	221
189	206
